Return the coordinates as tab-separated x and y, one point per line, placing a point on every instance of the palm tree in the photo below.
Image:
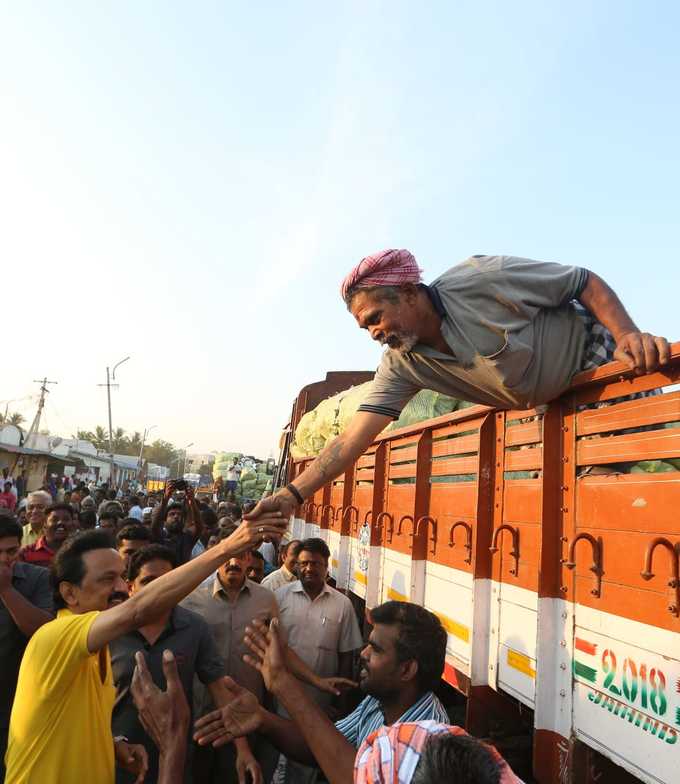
16	419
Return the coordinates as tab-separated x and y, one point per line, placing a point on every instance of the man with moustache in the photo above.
25	605
227	603
499	331
60	523
36	504
401	665
169	527
188	636
61	717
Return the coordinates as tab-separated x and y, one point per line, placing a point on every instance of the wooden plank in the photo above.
456	446
523	459
449	503
654	445
631	413
522	501
527	433
452	430
629	502
455	466
366	460
402	455
402	471
511	416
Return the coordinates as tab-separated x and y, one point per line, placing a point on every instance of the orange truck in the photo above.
558	585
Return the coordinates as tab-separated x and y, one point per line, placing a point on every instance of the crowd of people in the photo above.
155	637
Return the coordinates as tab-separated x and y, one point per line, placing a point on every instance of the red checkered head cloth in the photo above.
391	754
385	268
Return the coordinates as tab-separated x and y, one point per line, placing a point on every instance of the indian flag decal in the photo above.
585	666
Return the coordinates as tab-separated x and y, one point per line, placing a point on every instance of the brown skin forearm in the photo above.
331	750
340	453
171	763
606	307
27	616
221	697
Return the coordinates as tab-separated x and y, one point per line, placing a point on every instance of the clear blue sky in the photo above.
188	183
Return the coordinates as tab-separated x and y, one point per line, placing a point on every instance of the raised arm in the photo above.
335	458
27	616
641	351
165	592
194	524
311	736
159	512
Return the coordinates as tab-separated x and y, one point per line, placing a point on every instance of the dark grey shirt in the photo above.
33	583
188	636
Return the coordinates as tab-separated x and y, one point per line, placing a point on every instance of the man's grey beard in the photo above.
407	342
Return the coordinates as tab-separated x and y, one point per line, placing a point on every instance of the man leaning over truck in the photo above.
497	330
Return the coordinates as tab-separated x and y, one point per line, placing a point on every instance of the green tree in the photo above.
12	419
161	452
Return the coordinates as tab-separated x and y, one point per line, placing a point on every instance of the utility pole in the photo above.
35	424
33	429
109	377
147	430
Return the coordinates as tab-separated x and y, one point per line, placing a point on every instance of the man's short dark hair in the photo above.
234	509
208	517
88	519
134	500
296	546
134	532
111	509
60	508
315	545
152	552
226	531
174	505
257	554
421	637
68	565
10	527
458	758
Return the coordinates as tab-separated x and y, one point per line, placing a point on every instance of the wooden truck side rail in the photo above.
551	560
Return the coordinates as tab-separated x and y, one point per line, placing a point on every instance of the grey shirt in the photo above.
516	339
33	583
188	636
227	621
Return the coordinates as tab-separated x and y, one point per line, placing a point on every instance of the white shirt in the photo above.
136	512
233	474
318	631
278	579
268	551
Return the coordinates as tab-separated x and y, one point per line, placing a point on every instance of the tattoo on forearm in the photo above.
327	460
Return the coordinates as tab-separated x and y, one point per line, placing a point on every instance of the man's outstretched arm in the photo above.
310	736
641	351
335	458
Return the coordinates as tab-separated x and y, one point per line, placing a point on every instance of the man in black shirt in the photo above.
176	524
25	605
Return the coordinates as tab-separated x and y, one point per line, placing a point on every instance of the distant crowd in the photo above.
156	637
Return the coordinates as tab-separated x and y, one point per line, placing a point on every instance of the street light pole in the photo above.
141	451
109	377
184	462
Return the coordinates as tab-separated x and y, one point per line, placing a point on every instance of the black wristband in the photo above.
295	492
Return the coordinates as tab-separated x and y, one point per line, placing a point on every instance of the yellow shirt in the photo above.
30	536
60	728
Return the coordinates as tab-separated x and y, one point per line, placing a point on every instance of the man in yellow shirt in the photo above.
60	727
36	506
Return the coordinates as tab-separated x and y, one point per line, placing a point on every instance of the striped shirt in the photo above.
368	717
